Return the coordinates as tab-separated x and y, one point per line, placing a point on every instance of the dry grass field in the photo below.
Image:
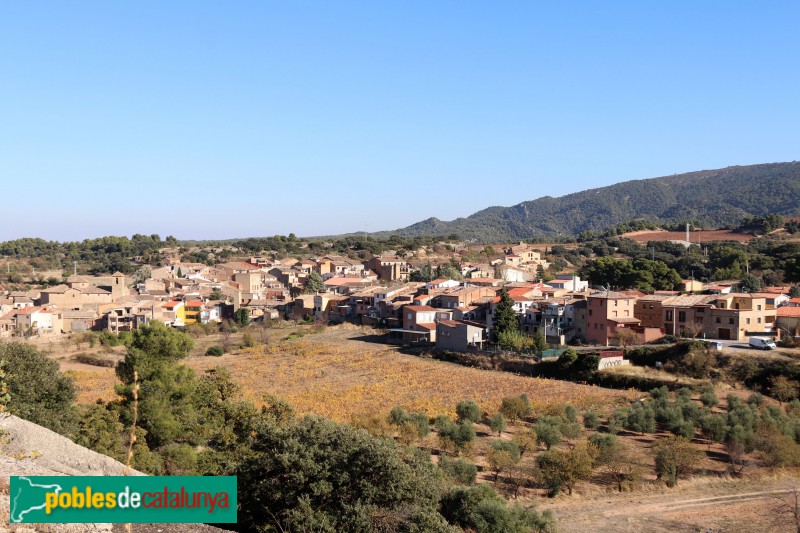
343	372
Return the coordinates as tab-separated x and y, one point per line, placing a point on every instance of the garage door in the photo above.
725	334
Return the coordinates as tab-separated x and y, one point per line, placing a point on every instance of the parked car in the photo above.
762	343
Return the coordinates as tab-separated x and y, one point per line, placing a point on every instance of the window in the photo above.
748	320
759	320
615	314
681	316
758	307
730	320
719	320
669	316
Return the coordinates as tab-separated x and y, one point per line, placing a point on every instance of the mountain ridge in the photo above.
716	197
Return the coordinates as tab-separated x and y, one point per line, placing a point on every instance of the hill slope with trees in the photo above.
713	198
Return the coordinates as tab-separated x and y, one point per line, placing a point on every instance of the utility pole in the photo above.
74	268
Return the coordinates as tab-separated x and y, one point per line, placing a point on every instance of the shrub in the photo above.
248	341
482	510
497	423
468	410
38	391
547	433
708	396
515	407
641	418
215	351
459	470
94	360
591	420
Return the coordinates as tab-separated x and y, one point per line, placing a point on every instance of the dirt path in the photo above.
741	506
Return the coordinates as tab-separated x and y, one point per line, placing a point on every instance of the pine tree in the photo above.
505	318
314	283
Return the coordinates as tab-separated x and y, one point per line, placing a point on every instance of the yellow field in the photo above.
335	375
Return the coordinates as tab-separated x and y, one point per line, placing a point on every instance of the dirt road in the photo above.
741	506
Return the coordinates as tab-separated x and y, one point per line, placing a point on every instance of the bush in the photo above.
38	391
455	437
482	510
641	418
591	420
248	341
516	407
708	396
468	410
459	470
497	423
94	360
570	413
547	433
215	351
419	421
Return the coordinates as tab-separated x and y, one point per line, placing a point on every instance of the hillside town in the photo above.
453	314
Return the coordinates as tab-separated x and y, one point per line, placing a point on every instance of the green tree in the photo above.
242	316
35	389
505	318
319	475
514	340
515	407
502	456
424	274
100	430
468	410
167	411
459	470
314	283
540	343
641	418
5	397
675	458
565	468
482	510
708	396
750	283
497	423
526	440
548	433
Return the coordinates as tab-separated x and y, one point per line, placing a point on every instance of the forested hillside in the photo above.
714	198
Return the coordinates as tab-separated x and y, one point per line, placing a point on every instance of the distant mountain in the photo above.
713	197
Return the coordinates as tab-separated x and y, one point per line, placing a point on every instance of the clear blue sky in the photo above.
230	119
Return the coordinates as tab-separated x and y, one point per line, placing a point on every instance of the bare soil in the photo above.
695	236
707	504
